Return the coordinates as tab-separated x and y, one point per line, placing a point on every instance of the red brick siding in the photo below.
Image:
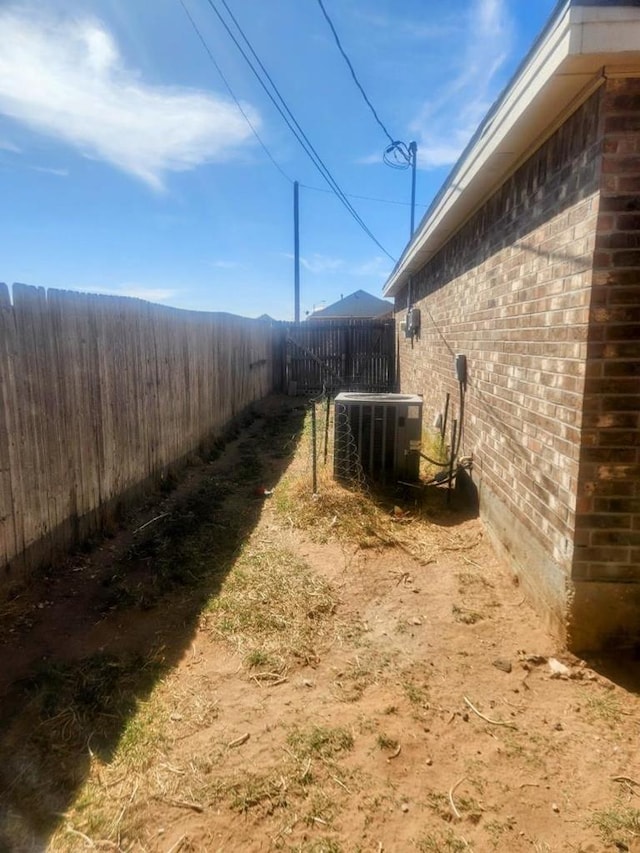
512	291
608	516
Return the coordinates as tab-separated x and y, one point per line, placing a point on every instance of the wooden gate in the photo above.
340	355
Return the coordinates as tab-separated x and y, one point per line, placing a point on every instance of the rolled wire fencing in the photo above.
333	449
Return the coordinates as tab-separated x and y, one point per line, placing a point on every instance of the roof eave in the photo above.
563	68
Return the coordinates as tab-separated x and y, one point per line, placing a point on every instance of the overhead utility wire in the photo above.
307	144
363	197
397	154
257	135
291	121
353	73
231	92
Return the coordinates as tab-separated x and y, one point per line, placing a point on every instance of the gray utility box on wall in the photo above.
377	436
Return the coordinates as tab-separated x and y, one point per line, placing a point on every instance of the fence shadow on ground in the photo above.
85	644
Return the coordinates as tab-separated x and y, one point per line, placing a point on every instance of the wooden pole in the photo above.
296	251
413	151
313	447
326	427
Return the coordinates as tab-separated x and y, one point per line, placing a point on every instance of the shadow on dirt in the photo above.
85	643
622	668
444	506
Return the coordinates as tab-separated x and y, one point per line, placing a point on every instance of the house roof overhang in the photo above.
583	43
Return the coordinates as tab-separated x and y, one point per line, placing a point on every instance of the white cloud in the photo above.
66	78
151	294
5	145
318	264
376	267
370	159
136	291
61	173
226	265
395	26
446	123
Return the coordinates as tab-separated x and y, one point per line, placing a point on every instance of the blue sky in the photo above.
127	168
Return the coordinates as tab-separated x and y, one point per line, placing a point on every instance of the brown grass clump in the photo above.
355	513
334	511
274	609
354	516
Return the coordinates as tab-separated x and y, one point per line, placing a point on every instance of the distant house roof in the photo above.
358	305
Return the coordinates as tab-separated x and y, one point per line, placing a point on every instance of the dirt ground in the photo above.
246	667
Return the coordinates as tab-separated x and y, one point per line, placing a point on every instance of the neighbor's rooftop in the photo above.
583	43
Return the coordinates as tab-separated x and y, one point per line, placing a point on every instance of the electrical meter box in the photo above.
412	323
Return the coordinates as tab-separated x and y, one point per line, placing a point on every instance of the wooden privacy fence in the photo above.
100	393
341	355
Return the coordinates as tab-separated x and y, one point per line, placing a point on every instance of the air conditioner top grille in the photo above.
357	397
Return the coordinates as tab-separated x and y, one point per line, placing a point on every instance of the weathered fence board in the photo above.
98	394
341	355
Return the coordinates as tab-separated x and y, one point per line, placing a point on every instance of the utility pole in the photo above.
399	155
413	154
296	252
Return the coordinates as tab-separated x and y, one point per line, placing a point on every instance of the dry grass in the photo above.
277	614
333	512
408	519
617	826
111	804
320	742
354	515
273	609
311	772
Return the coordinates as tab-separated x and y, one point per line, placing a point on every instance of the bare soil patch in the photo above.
344	672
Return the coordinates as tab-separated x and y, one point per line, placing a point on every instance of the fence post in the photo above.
326	428
313	446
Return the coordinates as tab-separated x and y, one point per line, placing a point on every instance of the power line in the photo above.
397	154
300	135
364	197
353	73
231	92
290	119
257	135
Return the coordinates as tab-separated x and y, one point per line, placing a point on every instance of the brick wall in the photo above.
608	520
608	508
512	290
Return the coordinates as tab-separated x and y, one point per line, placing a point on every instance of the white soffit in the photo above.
572	57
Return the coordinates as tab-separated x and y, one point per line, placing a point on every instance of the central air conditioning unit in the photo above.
377	437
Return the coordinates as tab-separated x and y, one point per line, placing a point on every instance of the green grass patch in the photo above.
617	825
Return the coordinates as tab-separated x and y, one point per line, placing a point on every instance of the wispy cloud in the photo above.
61	173
226	265
66	78
406	28
5	145
369	159
136	291
446	123
151	294
319	264
376	268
